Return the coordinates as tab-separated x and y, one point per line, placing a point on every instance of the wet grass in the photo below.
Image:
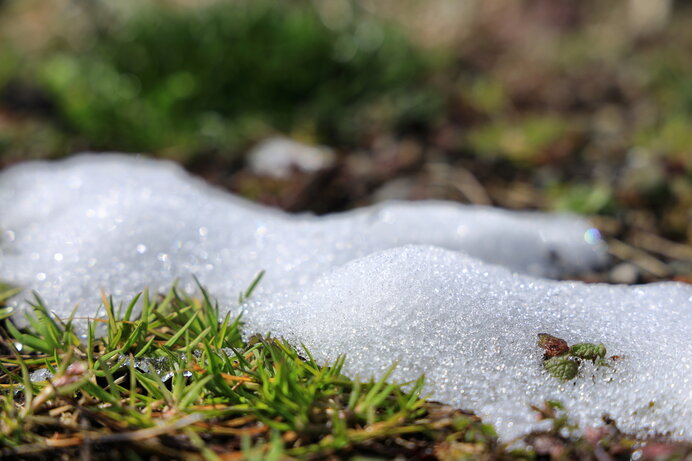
179	381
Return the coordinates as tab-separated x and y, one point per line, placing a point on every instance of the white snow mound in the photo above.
351	284
472	329
122	223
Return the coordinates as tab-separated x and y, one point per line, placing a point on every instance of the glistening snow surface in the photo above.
122	223
471	328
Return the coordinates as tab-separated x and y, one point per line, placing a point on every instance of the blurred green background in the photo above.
180	80
539	104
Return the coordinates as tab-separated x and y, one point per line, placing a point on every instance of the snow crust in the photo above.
353	283
123	223
472	328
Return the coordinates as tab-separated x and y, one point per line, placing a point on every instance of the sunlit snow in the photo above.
418	283
122	223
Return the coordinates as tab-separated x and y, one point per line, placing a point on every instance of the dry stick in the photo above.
471	187
638	257
661	246
516	195
150	432
461	181
133	436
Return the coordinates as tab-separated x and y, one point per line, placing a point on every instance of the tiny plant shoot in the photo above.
563	361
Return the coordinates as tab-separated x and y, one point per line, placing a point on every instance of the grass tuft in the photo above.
179	383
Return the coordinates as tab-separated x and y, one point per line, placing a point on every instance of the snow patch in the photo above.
472	329
122	223
280	157
353	283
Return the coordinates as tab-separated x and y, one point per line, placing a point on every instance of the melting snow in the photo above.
471	328
124	223
279	157
352	283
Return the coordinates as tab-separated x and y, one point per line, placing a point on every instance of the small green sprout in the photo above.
562	361
563	368
588	351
